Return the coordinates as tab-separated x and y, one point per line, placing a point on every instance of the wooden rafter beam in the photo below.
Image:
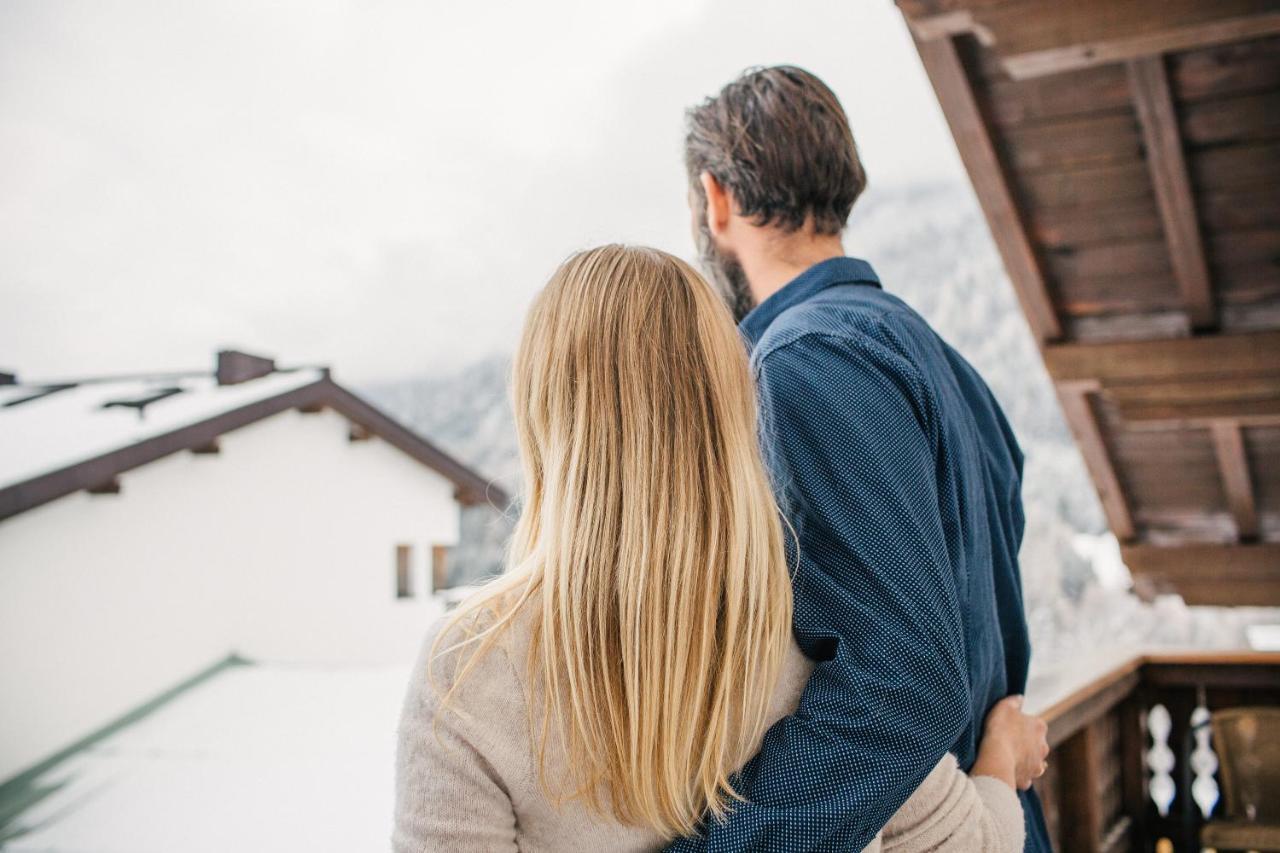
959	105
106	487
1252	413
1077	408
1209	574
1207	357
1246	400
1166	40
1037	37
1233	463
1149	83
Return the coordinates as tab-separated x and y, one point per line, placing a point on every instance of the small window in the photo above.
439	567
404	577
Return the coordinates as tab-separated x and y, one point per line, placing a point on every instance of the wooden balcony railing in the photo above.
1104	790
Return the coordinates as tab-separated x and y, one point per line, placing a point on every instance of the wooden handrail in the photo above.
1076	710
1082	706
1095	794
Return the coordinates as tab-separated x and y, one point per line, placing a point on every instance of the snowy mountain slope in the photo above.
931	247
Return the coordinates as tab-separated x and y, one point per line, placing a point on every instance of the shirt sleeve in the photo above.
850	435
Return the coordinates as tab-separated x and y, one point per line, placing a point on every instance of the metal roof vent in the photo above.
140	403
235	367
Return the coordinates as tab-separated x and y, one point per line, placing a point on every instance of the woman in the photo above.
601	693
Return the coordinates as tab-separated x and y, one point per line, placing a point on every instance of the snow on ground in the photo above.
259	758
271	757
264	757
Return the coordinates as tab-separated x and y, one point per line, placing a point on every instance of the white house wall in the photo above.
280	547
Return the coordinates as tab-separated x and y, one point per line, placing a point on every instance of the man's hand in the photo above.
1014	745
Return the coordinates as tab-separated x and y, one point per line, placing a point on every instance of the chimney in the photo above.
8	378
235	367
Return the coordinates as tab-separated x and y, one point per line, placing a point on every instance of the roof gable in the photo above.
59	438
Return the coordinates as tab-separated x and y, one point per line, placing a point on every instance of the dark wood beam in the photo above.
1249	400
1205	357
1037	37
921	9
91	474
1246	413
1080	769
1163	142
1233	463
1077	408
210	448
951	83
1208	574
1105	49
1233	670
105	487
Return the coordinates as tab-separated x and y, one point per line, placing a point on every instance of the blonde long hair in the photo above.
649	550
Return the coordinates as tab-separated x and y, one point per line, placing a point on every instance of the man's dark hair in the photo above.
779	141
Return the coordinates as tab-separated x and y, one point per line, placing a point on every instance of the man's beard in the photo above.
726	274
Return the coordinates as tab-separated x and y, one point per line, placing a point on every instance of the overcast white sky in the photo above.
377	185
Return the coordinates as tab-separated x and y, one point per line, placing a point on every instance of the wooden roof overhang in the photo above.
1126	154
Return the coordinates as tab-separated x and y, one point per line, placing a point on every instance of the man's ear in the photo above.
719	204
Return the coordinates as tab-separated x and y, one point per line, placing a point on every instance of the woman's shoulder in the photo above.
467	658
462	744
465	690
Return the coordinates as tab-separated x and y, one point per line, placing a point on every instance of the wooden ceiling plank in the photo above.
1077	408
1196	391
1242	412
1233	462
959	105
1150	84
1089	188
1208	592
1245	400
1205	559
1086	54
1206	357
1033	38
1209	574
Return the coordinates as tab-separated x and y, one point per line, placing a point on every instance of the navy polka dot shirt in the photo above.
902	478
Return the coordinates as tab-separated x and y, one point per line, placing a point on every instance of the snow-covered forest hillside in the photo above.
931	247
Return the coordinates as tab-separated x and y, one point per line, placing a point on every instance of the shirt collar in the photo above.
816	278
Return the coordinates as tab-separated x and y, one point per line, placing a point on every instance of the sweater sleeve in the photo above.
954	811
450	793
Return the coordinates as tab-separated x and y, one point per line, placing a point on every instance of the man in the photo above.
895	465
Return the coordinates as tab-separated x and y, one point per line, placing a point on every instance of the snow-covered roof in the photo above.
59	437
43	430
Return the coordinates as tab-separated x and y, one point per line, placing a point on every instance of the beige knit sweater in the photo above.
466	778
